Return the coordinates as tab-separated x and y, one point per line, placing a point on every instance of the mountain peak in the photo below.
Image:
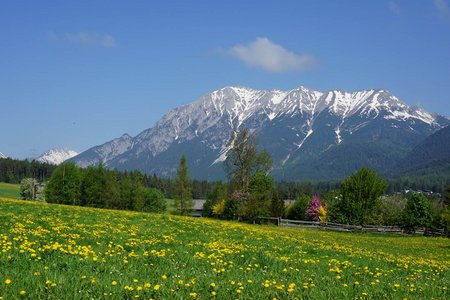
56	156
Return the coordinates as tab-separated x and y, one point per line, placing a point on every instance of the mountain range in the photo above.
310	134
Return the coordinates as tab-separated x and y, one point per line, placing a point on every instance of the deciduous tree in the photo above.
360	192
417	212
243	159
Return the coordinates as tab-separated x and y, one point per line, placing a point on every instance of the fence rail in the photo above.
352	228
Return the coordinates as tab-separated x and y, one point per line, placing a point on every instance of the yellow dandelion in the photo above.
8	281
114	282
156	287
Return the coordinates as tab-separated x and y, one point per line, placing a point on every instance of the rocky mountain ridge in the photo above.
301	128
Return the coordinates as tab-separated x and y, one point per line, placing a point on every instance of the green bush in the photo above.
417	212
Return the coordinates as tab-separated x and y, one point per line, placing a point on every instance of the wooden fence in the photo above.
351	228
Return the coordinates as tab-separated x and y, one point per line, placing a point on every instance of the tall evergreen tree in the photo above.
138	192
126	192
64	185
183	201
99	187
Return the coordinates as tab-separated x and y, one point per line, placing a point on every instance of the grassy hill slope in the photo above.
9	190
61	252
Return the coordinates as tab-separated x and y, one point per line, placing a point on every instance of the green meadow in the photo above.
50	251
9	190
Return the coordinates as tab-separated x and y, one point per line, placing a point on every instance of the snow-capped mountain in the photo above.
3	155
307	132
56	156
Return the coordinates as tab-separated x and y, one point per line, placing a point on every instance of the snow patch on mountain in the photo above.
56	156
3	155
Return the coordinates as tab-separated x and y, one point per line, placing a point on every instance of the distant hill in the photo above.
431	156
311	135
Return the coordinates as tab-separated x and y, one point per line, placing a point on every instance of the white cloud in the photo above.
393	6
442	8
91	39
264	54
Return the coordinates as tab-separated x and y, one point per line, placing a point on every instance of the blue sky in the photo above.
75	74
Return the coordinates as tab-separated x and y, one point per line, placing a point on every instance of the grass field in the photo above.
8	190
62	252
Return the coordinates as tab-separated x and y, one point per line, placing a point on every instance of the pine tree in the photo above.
183	201
64	185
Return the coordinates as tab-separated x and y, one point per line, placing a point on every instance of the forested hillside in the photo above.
14	170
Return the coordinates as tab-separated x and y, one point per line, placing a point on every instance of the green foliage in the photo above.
29	189
99	188
14	170
219	194
262	200
445	217
126	192
389	209
360	192
243	159
447	195
154	201
183	201
297	210
64	186
138	194
332	199
417	212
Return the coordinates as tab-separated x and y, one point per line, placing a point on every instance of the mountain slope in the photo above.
310	134
3	155
431	155
56	156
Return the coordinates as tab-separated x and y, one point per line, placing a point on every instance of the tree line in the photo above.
249	194
359	200
99	187
14	170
